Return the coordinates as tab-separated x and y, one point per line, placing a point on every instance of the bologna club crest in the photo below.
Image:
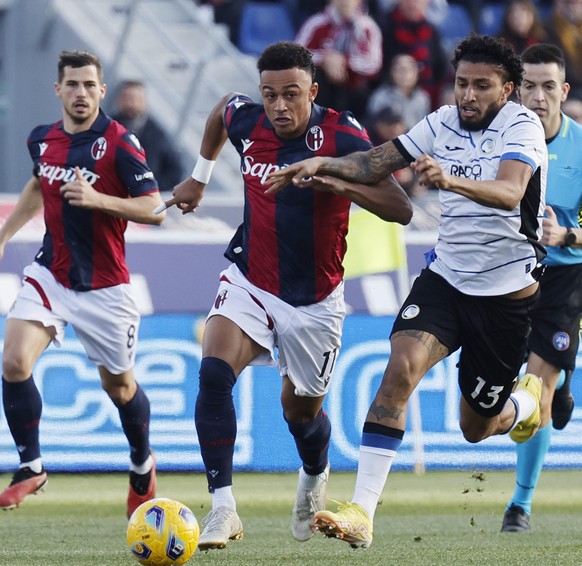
314	138
99	148
220	299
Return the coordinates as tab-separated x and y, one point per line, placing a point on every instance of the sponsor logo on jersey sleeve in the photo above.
143	176
42	147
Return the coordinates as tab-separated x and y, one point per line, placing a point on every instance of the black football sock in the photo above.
23	408
312	440
215	418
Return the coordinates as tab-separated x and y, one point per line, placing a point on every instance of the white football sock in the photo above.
525	405
143	468
373	467
34	465
223	497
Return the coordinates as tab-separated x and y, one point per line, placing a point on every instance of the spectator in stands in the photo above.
386	125
401	92
521	25
347	50
162	155
406	29
435	12
304	9
474	8
565	30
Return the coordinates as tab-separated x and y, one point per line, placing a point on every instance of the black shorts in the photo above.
492	333
555	335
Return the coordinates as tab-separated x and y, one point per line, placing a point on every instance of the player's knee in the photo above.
119	394
472	437
473	432
399	380
318	425
216	377
15	366
300	415
121	388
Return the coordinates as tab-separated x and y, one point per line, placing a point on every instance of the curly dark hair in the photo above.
493	51
285	55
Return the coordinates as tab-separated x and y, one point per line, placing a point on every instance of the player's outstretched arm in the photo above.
386	199
366	167
188	194
79	192
28	206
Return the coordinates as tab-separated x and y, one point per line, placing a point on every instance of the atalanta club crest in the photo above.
314	138
561	341
99	148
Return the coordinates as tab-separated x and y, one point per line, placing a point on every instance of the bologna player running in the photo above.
91	177
284	288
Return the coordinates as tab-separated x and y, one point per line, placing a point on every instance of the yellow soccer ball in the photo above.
162	532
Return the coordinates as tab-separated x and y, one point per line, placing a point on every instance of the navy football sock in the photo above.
215	419
23	408
135	421
312	440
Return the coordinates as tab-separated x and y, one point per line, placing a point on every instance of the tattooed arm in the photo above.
366	167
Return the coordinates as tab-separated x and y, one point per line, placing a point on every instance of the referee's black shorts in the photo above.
492	333
555	335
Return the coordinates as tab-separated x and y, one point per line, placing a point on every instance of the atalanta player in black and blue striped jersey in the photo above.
284	288
91	177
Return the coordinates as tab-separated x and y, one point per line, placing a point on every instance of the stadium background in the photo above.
175	267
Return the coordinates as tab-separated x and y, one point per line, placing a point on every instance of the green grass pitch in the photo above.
440	518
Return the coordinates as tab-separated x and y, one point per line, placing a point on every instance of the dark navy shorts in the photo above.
492	333
555	334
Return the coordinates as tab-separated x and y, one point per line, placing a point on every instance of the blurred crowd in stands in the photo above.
387	61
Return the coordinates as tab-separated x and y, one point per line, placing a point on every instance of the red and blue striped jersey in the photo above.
290	244
85	249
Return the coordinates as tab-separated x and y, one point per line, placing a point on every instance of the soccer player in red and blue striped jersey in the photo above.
284	287
91	177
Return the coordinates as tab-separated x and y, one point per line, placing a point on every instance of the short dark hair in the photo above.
493	51
541	53
285	55
77	59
